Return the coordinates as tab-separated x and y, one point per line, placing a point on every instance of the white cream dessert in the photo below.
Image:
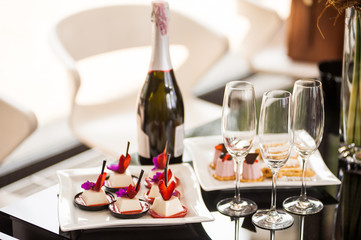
167	208
126	204
92	198
154	191
120	180
93	193
251	169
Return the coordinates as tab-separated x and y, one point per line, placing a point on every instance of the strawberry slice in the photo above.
162	177
131	192
219	147
162	159
165	191
100	182
123	163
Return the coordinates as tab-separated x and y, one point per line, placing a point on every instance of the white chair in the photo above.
16	124
108	124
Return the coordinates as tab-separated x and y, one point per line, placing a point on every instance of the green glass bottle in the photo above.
160	112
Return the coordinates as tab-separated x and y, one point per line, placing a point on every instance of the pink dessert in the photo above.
224	168
218	150
251	169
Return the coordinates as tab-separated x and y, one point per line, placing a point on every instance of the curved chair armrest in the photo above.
16	124
69	63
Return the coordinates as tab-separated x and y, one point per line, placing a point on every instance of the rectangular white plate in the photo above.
201	150
73	218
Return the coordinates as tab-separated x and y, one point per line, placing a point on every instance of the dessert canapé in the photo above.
218	150
93	194
251	169
292	168
154	191
120	176
160	163
167	205
126	201
224	168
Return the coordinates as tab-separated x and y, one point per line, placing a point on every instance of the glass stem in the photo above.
303	195
236	231
274	195
237	194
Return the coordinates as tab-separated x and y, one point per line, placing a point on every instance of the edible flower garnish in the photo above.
121	192
88	185
155	178
130	191
155	162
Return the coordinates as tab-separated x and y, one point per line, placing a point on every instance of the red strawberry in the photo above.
219	147
166	192
131	192
226	157
162	159
123	163
162	177
100	182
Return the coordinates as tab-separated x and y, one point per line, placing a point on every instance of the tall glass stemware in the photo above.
275	137
308	124
239	131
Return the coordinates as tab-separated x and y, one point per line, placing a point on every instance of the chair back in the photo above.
16	124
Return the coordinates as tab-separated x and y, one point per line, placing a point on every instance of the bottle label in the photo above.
143	141
178	141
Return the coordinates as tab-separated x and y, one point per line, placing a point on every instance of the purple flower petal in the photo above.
121	192
113	167
155	162
87	185
155	177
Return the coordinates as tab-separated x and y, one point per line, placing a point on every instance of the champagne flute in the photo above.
308	123
275	140
239	131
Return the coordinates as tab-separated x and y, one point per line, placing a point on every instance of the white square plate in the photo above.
73	218
201	150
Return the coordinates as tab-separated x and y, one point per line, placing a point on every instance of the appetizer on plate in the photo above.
225	168
127	205
167	205
94	197
120	176
252	169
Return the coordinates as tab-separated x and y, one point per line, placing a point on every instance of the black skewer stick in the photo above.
166	170
139	179
104	162
126	153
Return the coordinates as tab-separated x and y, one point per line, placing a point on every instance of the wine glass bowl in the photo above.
239	132
275	138
308	123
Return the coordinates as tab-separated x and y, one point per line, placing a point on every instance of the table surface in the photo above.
36	217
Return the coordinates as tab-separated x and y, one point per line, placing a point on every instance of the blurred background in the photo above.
33	76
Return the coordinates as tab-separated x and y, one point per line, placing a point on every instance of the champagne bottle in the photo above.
160	111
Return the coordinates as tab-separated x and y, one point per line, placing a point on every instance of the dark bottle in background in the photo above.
160	111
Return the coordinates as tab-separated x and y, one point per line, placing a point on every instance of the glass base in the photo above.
302	207
231	208
272	220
